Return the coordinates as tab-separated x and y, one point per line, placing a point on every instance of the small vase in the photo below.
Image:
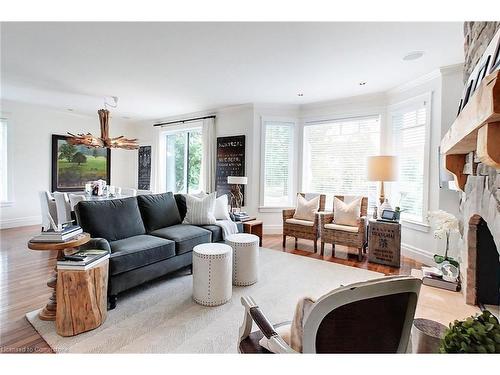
384	206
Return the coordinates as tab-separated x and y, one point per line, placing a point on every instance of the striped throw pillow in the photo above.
200	211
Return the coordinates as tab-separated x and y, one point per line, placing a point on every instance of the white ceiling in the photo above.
164	69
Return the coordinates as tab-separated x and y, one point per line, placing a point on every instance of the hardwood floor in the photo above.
24	274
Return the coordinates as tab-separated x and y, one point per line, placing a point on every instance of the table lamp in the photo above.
382	168
236	195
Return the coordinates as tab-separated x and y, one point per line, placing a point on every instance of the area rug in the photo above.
161	316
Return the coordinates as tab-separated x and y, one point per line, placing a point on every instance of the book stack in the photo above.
82	260
67	233
432	276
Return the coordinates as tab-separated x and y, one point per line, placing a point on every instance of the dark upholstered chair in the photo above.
302	228
369	317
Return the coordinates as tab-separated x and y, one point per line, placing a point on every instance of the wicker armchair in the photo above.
296	230
348	236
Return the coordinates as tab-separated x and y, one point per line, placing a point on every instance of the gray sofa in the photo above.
145	236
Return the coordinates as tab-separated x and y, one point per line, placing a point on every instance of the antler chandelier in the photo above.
92	141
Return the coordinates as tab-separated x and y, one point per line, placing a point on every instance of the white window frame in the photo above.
292	168
162	156
378	111
6	175
405	106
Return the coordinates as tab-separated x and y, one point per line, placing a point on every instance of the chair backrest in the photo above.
63	207
322	199
364	204
369	317
128	192
48	209
74	199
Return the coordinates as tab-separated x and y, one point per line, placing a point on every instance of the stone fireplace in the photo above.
480	201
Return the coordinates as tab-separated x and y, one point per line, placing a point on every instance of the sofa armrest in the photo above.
97	244
288	213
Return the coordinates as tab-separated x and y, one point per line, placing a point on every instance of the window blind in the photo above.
409	128
335	157
278	163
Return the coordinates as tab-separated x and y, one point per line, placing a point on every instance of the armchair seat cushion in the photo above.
306	223
185	236
345	228
138	251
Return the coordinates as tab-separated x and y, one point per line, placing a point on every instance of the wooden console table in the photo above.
384	242
49	311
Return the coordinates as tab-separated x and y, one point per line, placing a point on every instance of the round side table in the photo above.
245	258
49	311
426	336
212	267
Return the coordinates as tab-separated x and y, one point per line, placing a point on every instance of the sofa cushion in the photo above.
216	232
138	251
110	219
158	210
185	236
180	199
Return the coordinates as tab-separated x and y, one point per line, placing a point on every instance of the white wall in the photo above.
30	129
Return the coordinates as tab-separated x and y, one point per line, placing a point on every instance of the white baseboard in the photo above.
419	255
273	229
21	222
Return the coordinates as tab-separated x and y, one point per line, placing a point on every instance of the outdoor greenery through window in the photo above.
409	128
183	164
278	162
335	157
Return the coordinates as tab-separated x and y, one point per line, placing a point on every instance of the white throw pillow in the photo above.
200	211
221	211
306	209
346	213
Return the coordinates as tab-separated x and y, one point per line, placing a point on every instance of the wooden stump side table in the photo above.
49	311
82	299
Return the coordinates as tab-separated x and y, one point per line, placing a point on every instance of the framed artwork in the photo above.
230	162
495	64
144	168
482	73
73	166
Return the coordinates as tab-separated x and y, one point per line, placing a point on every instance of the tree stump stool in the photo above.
82	299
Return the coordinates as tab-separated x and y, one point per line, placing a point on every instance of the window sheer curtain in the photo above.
209	141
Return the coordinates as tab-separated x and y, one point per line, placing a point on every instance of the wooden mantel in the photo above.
477	128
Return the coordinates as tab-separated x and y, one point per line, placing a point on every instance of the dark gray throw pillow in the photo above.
158	210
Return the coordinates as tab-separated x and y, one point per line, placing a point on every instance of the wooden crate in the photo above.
384	243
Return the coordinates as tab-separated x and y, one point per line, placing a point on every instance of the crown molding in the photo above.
415	82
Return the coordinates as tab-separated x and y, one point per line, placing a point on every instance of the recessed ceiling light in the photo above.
413	55
362	83
125	117
300	94
70	109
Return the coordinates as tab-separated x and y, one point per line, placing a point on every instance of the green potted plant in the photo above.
476	334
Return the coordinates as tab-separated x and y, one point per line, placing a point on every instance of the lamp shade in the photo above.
382	168
237	180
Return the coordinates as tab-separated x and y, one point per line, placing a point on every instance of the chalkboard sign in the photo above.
144	170
230	162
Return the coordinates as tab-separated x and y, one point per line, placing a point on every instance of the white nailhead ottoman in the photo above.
245	258
212	269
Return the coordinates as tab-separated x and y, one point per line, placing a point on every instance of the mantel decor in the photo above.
91	141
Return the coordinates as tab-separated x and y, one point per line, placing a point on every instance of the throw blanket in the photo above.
228	227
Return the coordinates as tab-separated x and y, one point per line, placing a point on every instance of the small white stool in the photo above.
212	268
245	258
